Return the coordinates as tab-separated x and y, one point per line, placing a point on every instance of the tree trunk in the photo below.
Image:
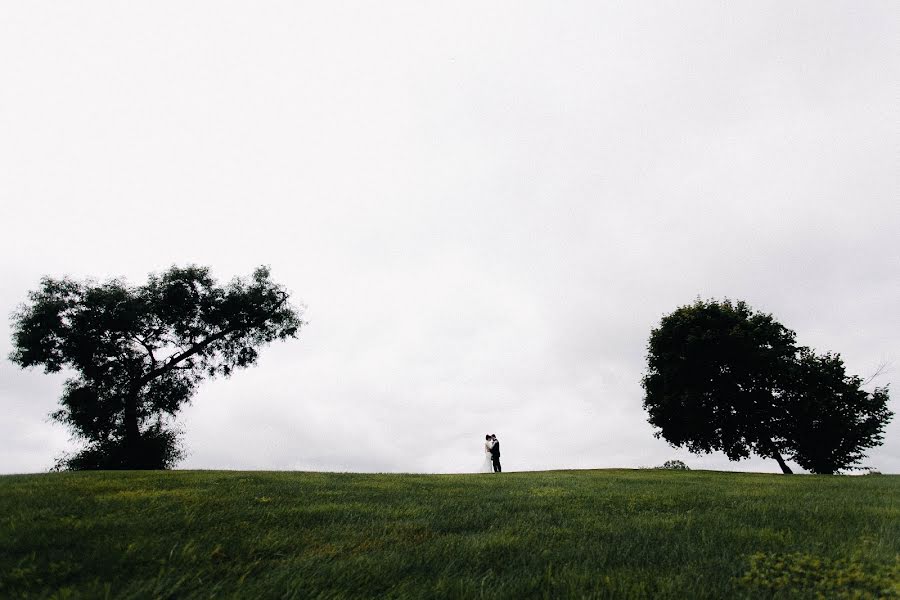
784	468
132	433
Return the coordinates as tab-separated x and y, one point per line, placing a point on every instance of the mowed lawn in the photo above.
560	534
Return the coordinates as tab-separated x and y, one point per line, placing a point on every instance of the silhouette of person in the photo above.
495	454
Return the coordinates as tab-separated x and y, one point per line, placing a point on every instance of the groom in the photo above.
495	454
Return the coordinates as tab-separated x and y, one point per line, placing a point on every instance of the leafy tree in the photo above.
139	353
721	376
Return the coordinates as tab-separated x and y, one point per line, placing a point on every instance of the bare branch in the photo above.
883	368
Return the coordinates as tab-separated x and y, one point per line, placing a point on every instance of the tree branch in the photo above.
172	362
200	347
149	350
883	368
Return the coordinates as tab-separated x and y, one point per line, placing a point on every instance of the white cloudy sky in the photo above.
486	206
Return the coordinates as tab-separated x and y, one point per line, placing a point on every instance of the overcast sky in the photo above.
485	207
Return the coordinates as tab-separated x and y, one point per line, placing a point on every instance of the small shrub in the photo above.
158	449
674	465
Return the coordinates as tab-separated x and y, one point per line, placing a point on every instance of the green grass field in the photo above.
595	534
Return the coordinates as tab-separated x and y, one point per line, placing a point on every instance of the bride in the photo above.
486	466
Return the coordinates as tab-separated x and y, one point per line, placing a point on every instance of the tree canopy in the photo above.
721	376
138	353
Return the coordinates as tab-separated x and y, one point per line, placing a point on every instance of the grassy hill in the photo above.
610	533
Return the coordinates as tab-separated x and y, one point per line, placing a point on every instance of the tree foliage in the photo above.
139	353
832	419
721	376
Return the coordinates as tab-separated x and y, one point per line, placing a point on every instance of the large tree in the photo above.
137	353
721	376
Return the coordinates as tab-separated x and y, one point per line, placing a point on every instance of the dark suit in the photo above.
495	456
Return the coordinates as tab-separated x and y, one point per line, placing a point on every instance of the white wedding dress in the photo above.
487	466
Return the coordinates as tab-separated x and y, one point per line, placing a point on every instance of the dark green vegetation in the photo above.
721	376
616	533
140	352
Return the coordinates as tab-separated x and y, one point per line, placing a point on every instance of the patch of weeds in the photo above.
798	573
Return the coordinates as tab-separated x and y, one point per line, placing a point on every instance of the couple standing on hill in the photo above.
491	454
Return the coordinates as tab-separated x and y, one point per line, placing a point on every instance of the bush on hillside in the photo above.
674	465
